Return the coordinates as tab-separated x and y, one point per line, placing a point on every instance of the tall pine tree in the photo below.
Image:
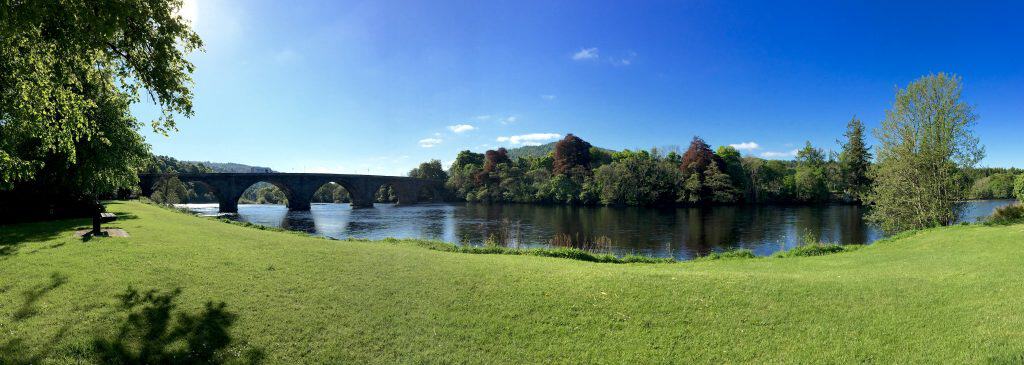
854	162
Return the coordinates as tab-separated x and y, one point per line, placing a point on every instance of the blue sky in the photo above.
379	86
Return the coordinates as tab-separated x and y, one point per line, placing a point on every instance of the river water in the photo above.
681	233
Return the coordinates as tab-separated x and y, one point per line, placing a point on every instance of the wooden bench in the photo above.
100	218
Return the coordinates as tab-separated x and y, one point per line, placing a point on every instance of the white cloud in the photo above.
624	61
531	139
585	54
509	120
460	128
745	146
429	142
779	155
548	97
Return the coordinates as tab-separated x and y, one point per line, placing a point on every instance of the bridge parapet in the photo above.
298	187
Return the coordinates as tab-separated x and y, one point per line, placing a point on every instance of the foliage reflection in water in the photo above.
681	233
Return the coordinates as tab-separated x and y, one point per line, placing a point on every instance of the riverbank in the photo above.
198	289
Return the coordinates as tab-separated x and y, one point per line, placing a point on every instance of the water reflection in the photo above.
681	233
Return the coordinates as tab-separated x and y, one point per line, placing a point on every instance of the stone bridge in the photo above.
300	187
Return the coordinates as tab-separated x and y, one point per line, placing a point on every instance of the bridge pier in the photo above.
363	198
298	205
407	193
300	193
227	205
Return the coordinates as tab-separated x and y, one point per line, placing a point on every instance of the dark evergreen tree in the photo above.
719	184
696	162
854	162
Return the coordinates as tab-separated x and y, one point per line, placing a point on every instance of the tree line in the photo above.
578	173
924	167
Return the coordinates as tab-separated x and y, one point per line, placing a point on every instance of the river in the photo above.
681	233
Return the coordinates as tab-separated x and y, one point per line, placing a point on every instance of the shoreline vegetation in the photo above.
234	295
808	246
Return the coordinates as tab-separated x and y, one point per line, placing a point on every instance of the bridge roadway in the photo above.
299	187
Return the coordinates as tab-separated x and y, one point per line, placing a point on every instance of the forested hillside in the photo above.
541	151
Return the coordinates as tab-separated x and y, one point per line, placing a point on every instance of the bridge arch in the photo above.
284	189
385	193
200	183
150	186
429	193
360	191
332	192
404	191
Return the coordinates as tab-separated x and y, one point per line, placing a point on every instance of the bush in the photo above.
818	249
1010	214
740	253
811	246
1018	188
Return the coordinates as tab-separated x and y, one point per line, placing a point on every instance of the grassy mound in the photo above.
187	289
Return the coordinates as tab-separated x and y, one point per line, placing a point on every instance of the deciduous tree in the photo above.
69	72
927	141
571	152
811	184
429	170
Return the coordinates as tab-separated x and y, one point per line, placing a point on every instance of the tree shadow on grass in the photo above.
156	333
126	216
14	351
13	237
49	247
31	296
1010	358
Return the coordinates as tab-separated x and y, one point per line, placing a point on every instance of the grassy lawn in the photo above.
190	289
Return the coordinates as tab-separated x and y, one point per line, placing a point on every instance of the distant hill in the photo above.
233	167
538	151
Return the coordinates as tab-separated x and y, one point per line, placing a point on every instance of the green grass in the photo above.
190	289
